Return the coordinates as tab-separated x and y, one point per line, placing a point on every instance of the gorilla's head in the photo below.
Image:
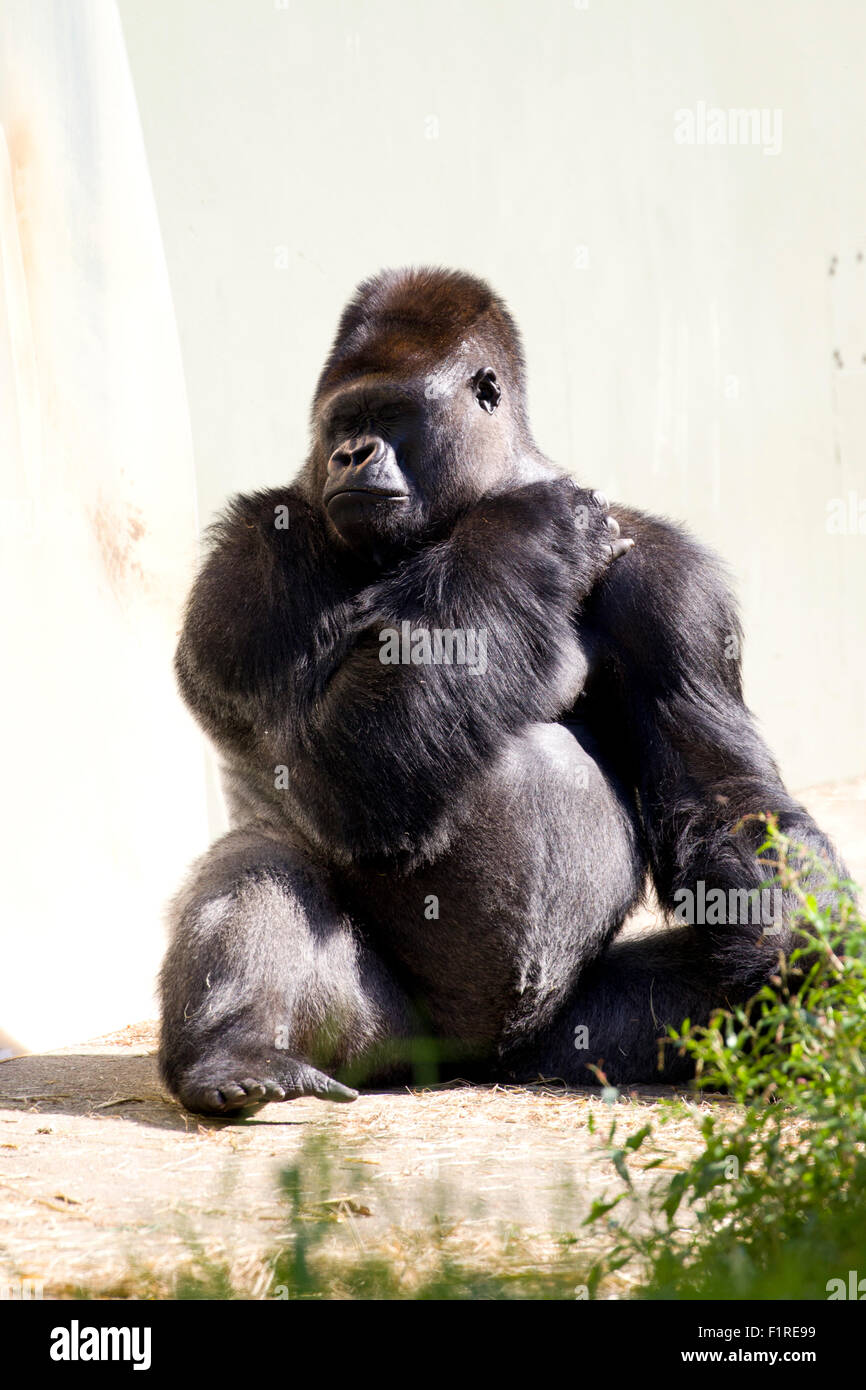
419	409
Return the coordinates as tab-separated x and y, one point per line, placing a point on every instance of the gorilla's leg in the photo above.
495	933
265	980
625	1002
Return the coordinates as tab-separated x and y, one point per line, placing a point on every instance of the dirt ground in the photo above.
105	1182
102	1176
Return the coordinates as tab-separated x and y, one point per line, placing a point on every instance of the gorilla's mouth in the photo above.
372	493
358	514
349	505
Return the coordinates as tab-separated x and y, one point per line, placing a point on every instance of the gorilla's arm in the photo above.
667	697
390	747
280	659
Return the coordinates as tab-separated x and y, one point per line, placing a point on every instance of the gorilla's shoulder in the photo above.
271	541
259	589
261	566
669	601
677	560
256	521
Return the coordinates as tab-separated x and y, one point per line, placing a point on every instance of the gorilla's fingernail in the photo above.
612	525
337	1091
600	498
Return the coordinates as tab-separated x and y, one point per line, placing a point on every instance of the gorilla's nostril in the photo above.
365	451
356	453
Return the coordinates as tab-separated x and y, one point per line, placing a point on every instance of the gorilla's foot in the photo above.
231	1084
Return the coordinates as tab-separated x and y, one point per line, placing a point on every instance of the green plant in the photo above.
774	1205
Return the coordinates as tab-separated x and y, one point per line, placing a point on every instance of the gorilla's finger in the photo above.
601	500
612	525
619	547
304	1080
335	1090
232	1095
256	1090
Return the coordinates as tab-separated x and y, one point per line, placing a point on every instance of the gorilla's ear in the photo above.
487	390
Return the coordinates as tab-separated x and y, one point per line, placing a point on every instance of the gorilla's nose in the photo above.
355	453
367	465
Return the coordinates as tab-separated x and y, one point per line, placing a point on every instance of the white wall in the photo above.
683	359
102	791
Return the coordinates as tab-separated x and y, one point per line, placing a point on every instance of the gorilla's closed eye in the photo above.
488	393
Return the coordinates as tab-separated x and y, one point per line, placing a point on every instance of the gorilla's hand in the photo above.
600	529
617	545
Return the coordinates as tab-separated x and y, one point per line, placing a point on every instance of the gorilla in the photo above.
463	708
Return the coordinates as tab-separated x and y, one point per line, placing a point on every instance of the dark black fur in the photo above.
607	736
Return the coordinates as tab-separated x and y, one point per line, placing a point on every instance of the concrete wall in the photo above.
694	313
103	799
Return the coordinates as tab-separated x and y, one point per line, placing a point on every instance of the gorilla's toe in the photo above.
232	1086
303	1080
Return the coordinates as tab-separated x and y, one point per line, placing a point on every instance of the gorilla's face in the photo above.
418	412
403	455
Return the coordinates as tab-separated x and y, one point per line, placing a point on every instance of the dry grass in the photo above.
106	1184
